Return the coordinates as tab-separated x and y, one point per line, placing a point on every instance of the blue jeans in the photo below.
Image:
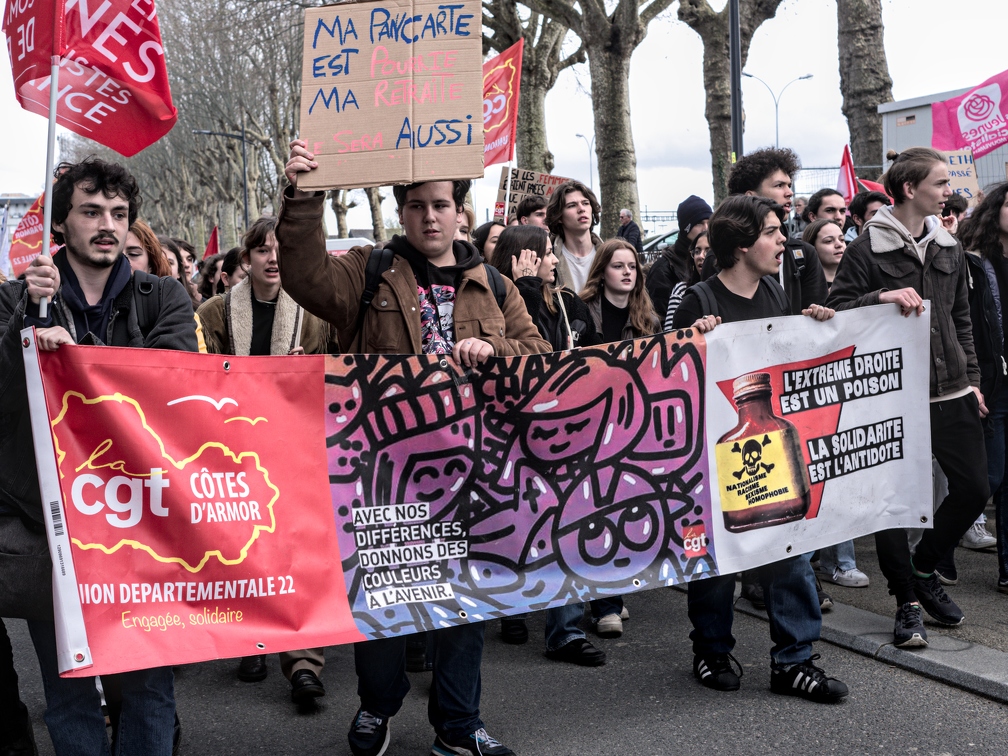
562	625
605	606
792	606
994	439
453	704
840	556
73	706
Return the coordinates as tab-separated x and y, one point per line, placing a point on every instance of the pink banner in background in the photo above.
977	119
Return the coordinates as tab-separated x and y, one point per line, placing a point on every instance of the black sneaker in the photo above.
910	632
753	591
807	681
579	651
369	734
514	631
936	602
477	743
716	672
825	602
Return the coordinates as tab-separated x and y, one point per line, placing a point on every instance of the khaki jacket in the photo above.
331	288
227	325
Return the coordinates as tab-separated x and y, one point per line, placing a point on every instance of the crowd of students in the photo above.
543	281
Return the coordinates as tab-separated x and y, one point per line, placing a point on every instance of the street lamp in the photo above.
244	164
591	148
776	98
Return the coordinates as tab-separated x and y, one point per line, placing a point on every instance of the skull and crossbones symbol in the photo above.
752	457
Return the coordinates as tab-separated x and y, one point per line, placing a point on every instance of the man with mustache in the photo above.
94	298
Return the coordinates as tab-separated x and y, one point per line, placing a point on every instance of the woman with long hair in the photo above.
615	294
828	239
698	250
984	236
485	238
621	309
525	255
143	250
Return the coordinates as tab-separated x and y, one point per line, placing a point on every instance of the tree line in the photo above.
234	65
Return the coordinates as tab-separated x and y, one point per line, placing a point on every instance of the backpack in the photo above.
708	303
380	260
147	307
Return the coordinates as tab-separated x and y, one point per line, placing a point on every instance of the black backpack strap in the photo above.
779	295
146	300
378	262
496	285
708	305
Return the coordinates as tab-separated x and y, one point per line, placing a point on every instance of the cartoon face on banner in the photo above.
526	488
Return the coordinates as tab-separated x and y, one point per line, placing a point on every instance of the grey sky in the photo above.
932	47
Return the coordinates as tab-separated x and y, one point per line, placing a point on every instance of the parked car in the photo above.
335	246
654	245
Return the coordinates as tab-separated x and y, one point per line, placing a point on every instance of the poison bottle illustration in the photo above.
761	471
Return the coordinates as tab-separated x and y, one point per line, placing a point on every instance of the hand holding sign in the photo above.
300	161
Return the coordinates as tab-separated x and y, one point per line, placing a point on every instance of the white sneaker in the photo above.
853	578
977	537
609	626
625	614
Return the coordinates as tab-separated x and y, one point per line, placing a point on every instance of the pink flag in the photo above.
847	182
977	119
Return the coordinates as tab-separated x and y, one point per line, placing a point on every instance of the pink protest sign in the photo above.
977	119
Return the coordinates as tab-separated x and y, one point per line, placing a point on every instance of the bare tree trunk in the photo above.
341	204
541	65
713	30
375	198
614	145
864	80
609	40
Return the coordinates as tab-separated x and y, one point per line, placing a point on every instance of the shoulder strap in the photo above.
496	284
708	305
147	307
378	262
779	295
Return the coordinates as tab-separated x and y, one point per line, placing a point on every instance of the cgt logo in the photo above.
123	496
498	96
694	541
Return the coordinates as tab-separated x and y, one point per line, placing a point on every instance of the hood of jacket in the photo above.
466	257
888	234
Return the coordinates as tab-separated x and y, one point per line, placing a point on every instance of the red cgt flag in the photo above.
113	84
26	244
847	181
212	246
501	82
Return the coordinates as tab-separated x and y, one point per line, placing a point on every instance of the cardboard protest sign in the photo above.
963	175
392	92
321	500
523	184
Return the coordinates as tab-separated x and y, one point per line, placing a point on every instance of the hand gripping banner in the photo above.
236	506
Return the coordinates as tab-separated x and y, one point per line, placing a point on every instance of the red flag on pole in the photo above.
213	246
26	243
847	182
113	84
501	82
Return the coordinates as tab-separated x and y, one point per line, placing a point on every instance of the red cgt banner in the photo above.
501	82
113	84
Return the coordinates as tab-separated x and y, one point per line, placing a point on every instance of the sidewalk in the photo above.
973	656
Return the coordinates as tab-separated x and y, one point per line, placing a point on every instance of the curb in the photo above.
969	666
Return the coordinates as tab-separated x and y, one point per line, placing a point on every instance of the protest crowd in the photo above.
540	281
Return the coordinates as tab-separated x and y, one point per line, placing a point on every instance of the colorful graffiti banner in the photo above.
251	505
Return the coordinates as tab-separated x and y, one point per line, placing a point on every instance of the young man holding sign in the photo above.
436	297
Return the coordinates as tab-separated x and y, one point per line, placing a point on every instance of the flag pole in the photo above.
54	64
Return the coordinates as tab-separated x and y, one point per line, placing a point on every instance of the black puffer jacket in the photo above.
174	328
985	315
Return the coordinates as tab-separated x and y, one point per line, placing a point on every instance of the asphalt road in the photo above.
644	701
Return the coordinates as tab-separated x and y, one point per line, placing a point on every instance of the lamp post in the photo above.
241	136
591	147
776	99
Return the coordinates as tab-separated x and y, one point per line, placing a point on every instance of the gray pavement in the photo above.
644	701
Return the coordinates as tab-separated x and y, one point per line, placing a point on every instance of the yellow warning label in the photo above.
755	471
